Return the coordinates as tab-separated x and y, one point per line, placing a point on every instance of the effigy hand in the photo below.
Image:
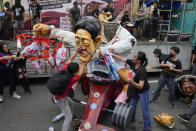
41	30
165	119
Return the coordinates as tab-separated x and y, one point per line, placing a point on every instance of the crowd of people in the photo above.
15	19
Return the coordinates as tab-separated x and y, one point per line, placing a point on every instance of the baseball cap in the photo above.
157	51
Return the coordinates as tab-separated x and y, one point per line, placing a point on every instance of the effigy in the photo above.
105	76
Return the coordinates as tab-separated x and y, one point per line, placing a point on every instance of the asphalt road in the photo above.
35	112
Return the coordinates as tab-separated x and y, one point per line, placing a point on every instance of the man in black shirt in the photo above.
157	53
109	9
193	62
168	76
36	12
125	19
18	17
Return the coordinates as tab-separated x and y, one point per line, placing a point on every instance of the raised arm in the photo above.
71	58
119	57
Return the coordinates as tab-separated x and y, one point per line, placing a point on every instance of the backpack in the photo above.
58	82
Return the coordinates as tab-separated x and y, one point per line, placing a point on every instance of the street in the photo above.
35	112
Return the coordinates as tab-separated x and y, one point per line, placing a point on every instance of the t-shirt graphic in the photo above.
18	12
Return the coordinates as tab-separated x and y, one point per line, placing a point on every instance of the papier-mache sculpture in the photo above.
87	36
165	119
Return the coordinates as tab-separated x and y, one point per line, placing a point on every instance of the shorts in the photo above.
18	24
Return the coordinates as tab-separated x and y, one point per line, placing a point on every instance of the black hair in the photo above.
1	48
6	3
175	49
89	23
73	67
109	4
142	57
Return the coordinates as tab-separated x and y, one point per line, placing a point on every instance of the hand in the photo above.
111	50
13	21
129	80
171	67
192	65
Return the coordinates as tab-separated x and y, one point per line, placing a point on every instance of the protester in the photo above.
142	11
110	9
75	14
125	19
36	12
8	19
187	116
139	86
20	71
63	100
95	12
154	21
6	73
168	76
158	54
18	18
193	62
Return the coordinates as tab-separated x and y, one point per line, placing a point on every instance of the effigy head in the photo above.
87	36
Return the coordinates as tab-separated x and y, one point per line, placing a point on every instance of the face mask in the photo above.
171	55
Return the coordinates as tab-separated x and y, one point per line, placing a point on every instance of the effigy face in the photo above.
88	46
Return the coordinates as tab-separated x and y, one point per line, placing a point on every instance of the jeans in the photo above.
64	105
144	99
194	70
171	87
192	111
7	76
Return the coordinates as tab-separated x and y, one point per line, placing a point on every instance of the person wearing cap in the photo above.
74	14
168	76
158	54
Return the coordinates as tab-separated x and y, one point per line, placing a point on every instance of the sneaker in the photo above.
16	96
153	40
1	99
183	117
152	101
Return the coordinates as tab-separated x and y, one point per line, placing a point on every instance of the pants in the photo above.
64	105
171	87
7	76
25	84
194	70
144	99
192	111
154	27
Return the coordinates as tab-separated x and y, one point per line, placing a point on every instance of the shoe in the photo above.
152	101
1	99
16	96
183	117
153	40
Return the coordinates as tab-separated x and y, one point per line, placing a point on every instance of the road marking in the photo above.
153	81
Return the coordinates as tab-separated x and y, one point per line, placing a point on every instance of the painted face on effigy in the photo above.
86	43
87	37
